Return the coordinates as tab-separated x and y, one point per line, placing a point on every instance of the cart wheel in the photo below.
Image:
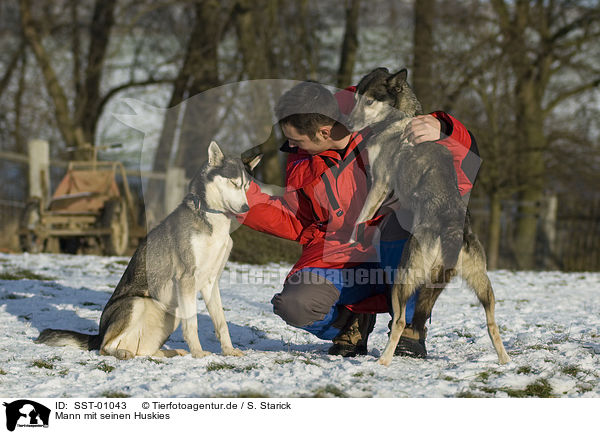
115	218
30	220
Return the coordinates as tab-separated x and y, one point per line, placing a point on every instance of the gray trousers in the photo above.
308	298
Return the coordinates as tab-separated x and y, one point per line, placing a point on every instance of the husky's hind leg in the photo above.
121	319
427	298
138	327
472	267
411	274
398	323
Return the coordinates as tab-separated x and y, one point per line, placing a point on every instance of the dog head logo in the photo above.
26	413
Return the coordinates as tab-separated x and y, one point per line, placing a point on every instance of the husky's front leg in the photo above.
188	312
212	298
379	191
190	334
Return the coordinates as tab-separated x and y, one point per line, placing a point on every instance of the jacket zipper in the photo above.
331	196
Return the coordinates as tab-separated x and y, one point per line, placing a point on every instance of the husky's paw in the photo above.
232	352
122	354
504	359
200	354
385	361
180	352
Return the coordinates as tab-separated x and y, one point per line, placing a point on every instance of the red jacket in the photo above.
325	193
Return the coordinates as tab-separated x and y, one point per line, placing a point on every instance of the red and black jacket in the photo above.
324	194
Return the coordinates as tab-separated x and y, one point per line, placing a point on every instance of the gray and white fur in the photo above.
182	255
423	179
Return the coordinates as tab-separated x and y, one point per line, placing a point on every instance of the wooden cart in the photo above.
87	206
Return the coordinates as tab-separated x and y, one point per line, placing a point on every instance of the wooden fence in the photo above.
568	235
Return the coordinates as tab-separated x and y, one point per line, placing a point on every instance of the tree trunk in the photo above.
199	72
204	75
19	139
248	17
62	115
531	171
349	45
494	232
87	113
423	54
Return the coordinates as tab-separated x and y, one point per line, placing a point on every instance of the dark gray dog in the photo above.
184	254
423	178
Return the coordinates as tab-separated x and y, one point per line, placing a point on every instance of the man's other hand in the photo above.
423	128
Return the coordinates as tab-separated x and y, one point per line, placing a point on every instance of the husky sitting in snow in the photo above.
184	254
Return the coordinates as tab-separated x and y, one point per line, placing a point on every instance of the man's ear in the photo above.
215	155
254	162
325	132
395	81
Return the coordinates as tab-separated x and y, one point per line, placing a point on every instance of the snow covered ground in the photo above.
549	321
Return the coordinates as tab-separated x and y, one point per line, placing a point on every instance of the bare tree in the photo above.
349	45
76	120
256	46
541	40
424	52
202	68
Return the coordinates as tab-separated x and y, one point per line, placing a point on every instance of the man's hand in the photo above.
424	128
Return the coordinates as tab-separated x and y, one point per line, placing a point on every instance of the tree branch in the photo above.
503	15
568	94
10	68
115	90
579	23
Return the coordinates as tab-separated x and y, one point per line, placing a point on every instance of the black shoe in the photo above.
409	347
352	340
347	350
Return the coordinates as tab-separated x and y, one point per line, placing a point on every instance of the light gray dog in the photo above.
184	254
423	178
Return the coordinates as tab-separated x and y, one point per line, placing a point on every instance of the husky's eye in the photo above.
369	101
234	182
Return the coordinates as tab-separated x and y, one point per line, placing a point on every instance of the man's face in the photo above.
302	141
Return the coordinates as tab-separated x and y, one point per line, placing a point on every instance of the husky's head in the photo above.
221	184
381	95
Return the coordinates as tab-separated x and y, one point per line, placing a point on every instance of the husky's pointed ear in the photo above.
396	80
215	155
254	162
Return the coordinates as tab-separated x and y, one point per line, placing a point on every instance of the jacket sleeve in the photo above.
461	143
282	216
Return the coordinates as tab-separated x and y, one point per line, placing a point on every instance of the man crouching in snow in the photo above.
336	288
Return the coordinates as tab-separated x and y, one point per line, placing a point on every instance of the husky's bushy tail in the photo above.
68	338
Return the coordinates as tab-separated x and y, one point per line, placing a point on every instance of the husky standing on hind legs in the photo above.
184	254
424	180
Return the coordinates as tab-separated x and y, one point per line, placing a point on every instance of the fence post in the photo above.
175	188
39	169
549	228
